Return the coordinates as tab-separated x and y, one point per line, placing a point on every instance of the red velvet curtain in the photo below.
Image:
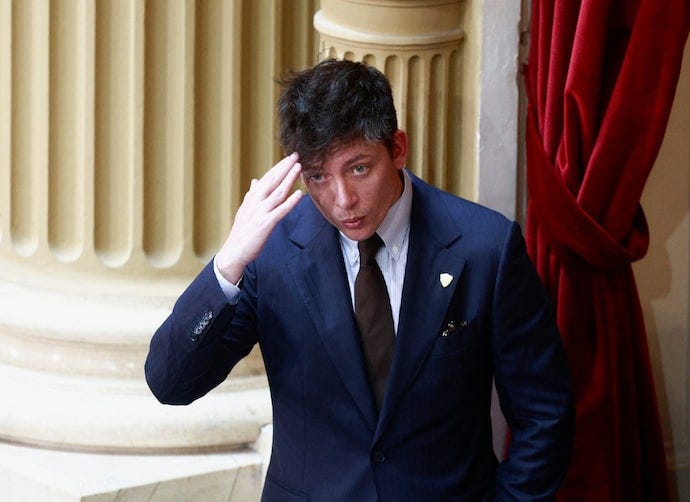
600	83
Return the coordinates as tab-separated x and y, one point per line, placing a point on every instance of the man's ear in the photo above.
399	148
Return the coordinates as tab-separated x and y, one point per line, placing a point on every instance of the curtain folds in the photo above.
600	84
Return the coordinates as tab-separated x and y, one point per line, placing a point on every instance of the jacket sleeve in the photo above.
532	380
200	342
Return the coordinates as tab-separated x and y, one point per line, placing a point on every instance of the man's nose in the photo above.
345	196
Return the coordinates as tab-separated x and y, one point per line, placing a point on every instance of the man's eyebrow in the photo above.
311	169
357	158
307	170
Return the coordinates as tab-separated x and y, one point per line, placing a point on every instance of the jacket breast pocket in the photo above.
455	337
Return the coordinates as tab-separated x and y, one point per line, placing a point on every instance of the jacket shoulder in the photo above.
449	212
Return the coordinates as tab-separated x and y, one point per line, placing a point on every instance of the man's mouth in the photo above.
352	223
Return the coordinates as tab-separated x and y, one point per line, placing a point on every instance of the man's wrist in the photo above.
228	267
231	289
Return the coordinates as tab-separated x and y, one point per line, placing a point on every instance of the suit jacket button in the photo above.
379	457
201	325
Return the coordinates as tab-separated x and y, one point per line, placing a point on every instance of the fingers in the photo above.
275	186
268	201
276	176
281	210
282	191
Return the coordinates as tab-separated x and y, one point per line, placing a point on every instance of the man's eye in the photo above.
359	169
316	177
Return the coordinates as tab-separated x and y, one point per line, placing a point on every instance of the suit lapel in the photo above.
425	299
319	273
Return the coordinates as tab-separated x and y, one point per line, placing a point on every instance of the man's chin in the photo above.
355	230
357	234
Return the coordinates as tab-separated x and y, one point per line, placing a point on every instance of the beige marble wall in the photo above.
663	278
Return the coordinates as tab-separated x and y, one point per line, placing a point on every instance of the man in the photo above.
403	413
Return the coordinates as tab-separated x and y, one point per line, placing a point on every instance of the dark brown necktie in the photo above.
374	317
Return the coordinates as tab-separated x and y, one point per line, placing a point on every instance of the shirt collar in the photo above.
393	229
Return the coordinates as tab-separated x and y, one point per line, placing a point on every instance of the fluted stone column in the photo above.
418	44
106	214
129	131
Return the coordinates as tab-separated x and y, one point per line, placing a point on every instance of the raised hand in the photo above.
267	202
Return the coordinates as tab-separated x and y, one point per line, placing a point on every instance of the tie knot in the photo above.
368	249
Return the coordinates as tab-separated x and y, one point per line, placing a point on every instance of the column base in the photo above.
72	378
90	414
28	473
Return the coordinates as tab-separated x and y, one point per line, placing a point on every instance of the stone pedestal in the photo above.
71	376
30	474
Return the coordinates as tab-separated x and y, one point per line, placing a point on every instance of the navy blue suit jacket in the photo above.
432	439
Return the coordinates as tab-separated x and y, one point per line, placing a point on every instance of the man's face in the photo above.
356	185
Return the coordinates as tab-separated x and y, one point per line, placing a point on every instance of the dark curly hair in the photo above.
333	104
